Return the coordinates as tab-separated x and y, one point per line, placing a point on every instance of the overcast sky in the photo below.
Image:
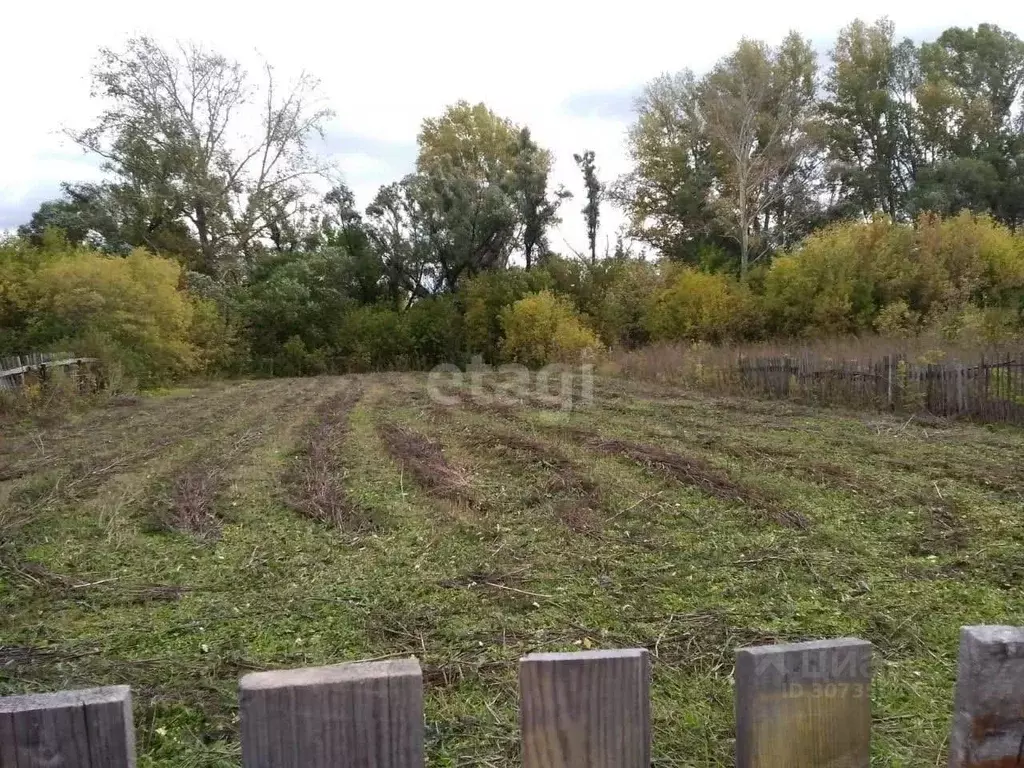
569	70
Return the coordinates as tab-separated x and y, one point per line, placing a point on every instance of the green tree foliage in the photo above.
972	133
730	157
170	139
83	214
759	107
537	210
544	328
464	190
592	210
869	114
667	196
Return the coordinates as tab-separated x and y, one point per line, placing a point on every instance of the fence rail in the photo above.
989	390
13	369
800	705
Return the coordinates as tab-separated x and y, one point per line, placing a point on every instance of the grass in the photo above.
177	542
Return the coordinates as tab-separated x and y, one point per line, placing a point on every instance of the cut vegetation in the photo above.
314	521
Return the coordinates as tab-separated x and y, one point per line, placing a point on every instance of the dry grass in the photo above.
424	459
915	375
315	482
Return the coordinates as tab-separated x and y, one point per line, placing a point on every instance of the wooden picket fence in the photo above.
988	390
801	705
14	371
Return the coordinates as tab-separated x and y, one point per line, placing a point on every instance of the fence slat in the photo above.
988	715
73	729
804	705
589	709
362	714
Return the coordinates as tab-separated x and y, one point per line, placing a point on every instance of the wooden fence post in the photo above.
804	705
988	716
91	728
346	716
589	709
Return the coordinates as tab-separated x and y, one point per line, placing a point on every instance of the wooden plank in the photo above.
988	714
363	714
110	726
804	705
35	366
585	710
8	756
73	729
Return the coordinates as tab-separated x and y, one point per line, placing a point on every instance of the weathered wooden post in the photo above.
346	716
589	709
91	728
988	715
804	705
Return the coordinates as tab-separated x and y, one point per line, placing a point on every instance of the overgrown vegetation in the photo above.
775	196
651	518
960	280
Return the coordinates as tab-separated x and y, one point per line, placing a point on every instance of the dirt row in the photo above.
314	483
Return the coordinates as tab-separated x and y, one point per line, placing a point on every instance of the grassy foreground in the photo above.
176	543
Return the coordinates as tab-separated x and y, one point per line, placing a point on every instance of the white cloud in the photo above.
565	68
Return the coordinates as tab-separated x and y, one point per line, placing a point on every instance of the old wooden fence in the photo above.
801	705
988	390
15	370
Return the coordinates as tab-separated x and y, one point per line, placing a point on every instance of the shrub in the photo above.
373	338
543	328
697	306
434	327
485	296
130	310
621	310
897	320
855	276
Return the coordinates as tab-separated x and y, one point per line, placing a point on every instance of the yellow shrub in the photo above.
544	328
696	306
131	311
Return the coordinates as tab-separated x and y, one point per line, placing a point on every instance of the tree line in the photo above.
881	192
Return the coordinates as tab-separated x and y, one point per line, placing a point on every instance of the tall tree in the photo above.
972	132
396	231
464	191
479	191
759	106
592	209
972	84
667	196
869	115
537	210
171	136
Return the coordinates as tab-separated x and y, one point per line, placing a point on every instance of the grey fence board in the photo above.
346	716
988	715
73	729
801	705
585	710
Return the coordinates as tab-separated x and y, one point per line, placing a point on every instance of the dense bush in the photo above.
483	299
697	306
856	277
327	311
544	328
128	310
620	311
